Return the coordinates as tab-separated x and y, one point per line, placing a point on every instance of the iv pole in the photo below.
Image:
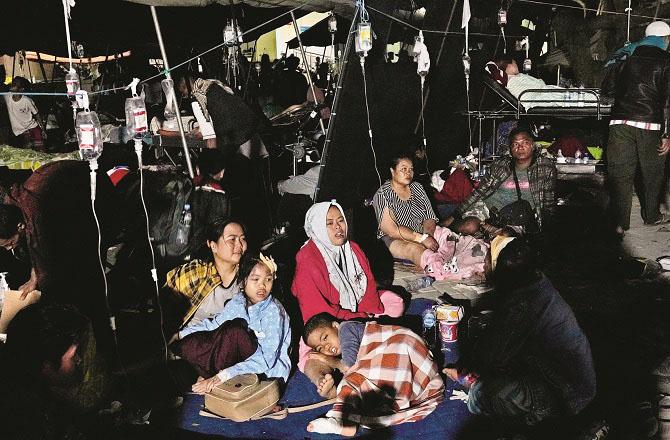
166	66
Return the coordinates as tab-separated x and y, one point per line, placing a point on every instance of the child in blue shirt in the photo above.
251	334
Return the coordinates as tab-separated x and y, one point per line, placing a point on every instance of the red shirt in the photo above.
316	294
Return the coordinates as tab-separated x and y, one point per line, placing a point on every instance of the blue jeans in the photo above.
527	399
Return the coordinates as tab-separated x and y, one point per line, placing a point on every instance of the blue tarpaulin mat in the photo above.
445	423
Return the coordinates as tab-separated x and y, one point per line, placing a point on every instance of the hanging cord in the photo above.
154	272
365	18
93	166
628	11
435	31
67	4
218	46
556	5
367	113
423	124
467	100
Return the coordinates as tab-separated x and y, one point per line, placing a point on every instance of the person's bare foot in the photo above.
326	386
329	425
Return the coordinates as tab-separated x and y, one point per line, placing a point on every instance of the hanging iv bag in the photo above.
170	111
89	135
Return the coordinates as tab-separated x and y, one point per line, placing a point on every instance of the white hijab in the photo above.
344	269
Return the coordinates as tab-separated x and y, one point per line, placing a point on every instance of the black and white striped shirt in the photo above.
409	213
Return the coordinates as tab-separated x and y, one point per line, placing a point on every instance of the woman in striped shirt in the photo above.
408	227
406	219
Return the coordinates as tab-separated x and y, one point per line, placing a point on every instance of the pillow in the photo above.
496	73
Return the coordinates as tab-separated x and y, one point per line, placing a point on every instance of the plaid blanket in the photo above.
394	380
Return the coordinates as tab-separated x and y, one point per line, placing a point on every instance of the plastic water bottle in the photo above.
4	287
428	319
184	226
419	283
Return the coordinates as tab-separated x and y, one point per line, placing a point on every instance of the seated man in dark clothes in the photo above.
533	361
58	230
42	351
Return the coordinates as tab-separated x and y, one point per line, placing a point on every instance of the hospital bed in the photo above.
510	107
557	105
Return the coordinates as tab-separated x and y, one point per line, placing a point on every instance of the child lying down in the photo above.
389	378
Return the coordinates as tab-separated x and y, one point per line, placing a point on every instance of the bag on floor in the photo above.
242	398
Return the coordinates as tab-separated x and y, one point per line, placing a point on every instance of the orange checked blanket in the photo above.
394	380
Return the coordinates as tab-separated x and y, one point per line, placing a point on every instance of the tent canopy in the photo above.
318	34
109	27
313	5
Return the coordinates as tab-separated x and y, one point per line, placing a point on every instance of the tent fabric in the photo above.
38	26
318	34
314	5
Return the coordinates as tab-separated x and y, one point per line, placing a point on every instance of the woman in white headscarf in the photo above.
333	275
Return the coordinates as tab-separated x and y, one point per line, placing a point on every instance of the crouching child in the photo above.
378	362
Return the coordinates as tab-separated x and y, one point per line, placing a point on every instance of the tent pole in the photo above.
304	61
249	67
166	66
336	101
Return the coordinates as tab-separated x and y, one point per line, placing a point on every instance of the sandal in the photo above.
665	218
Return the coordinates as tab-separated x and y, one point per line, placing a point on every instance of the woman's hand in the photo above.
29	285
204	386
447	222
431	243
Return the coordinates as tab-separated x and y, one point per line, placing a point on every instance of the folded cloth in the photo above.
394	380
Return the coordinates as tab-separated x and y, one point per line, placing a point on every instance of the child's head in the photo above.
469	225
19	84
257	274
321	334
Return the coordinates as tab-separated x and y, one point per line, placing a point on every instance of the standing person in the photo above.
291	84
24	117
237	129
639	136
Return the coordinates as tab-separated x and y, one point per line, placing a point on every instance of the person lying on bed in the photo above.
389	378
516	82
206	286
333	275
251	334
